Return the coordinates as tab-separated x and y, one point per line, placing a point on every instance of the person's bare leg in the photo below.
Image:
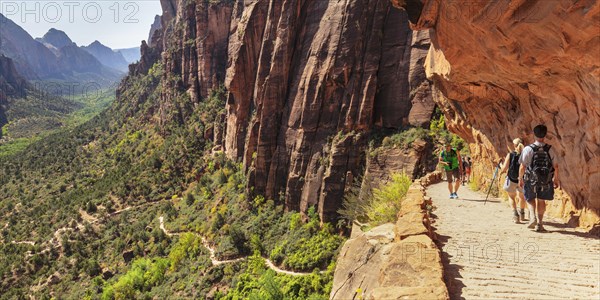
522	203
457	185
532	214
513	204
512	201
541	209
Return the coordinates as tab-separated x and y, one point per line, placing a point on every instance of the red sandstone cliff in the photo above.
306	82
501	67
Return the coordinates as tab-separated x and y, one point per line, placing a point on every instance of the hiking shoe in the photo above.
516	219
532	223
451	195
540	228
523	217
455	196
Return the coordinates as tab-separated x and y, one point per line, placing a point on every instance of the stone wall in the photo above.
394	261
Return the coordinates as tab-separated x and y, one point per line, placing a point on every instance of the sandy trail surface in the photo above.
487	256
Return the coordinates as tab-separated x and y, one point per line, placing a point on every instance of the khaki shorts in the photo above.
511	187
453	175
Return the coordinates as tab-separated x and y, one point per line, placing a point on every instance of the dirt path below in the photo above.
487	256
216	262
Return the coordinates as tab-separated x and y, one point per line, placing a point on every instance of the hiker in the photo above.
511	184
466	170
538	176
469	169
450	159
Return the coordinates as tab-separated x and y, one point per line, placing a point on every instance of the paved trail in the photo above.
486	256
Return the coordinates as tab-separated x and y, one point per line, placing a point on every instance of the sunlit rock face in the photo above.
502	67
306	83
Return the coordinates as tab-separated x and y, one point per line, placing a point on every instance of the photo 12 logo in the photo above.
70	11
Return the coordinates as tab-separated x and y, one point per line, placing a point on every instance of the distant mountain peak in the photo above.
97	45
131	55
57	38
107	56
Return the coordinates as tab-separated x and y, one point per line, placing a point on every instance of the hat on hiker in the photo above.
540	131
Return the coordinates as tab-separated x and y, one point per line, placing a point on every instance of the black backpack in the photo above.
540	172
513	169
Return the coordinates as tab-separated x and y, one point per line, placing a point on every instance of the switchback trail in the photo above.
487	256
216	262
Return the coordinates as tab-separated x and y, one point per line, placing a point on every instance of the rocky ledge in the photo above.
394	261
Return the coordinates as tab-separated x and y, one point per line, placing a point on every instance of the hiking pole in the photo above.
492	183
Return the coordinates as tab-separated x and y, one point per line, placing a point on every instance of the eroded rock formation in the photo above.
502	67
415	161
306	83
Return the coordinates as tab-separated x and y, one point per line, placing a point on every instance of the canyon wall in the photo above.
502	67
12	85
306	82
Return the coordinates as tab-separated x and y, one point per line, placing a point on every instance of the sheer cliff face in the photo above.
12	85
306	82
502	67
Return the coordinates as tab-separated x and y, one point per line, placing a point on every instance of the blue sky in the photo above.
115	23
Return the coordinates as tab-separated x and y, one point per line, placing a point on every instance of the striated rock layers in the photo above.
502	67
306	82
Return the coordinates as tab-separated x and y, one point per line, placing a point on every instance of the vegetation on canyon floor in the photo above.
81	207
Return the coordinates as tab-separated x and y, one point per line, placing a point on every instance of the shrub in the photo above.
405	138
189	246
387	199
143	275
189	199
356	200
91	208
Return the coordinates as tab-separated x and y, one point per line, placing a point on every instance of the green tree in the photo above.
189	199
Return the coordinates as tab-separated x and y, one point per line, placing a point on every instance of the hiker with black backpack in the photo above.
511	184
452	162
538	176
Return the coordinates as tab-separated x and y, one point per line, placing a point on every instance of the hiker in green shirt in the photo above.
452	162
